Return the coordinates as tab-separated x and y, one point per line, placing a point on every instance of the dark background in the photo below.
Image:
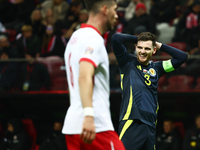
43	108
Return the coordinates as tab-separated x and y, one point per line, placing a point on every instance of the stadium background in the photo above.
178	92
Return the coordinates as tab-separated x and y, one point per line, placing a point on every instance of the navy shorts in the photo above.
136	135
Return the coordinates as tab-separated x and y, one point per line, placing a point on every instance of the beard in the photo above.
109	25
144	61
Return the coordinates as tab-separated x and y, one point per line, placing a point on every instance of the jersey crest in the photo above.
152	72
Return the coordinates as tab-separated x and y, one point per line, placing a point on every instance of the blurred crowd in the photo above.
23	134
174	135
31	31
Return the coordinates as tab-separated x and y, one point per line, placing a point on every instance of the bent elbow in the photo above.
115	37
185	57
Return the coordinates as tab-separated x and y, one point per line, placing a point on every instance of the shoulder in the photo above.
156	62
158	66
91	36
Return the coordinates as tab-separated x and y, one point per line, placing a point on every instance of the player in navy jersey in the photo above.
139	82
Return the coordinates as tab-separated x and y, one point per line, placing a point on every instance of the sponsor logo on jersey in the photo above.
152	72
89	50
139	67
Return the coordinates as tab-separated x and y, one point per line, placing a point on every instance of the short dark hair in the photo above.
94	5
146	36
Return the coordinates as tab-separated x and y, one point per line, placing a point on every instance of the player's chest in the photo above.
144	75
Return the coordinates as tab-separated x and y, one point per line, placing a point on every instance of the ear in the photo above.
154	50
104	9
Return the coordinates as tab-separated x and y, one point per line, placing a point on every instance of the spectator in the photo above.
188	25
48	18
6	46
23	10
28	42
52	45
33	75
8	72
170	139
164	10
72	15
83	17
193	27
192	65
37	23
130	9
59	8
6	11
55	140
141	18
192	138
15	137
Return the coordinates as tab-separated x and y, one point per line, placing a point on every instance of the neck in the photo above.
97	21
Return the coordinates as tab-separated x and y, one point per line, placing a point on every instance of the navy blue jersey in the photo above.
139	83
139	89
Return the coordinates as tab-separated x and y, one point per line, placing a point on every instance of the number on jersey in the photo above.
71	73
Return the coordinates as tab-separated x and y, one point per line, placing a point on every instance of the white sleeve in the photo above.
92	51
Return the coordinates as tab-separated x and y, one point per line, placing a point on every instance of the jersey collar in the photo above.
84	25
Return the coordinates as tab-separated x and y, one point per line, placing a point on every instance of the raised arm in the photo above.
119	49
179	57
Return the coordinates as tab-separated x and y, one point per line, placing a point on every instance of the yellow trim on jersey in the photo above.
125	127
157	108
156	113
122	76
128	111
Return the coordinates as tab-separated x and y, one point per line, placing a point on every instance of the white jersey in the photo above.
86	44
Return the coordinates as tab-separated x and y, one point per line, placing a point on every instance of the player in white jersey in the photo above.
88	124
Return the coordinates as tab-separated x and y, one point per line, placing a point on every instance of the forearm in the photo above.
118	41
86	90
179	57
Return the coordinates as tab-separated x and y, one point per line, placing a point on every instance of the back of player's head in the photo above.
147	36
95	5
